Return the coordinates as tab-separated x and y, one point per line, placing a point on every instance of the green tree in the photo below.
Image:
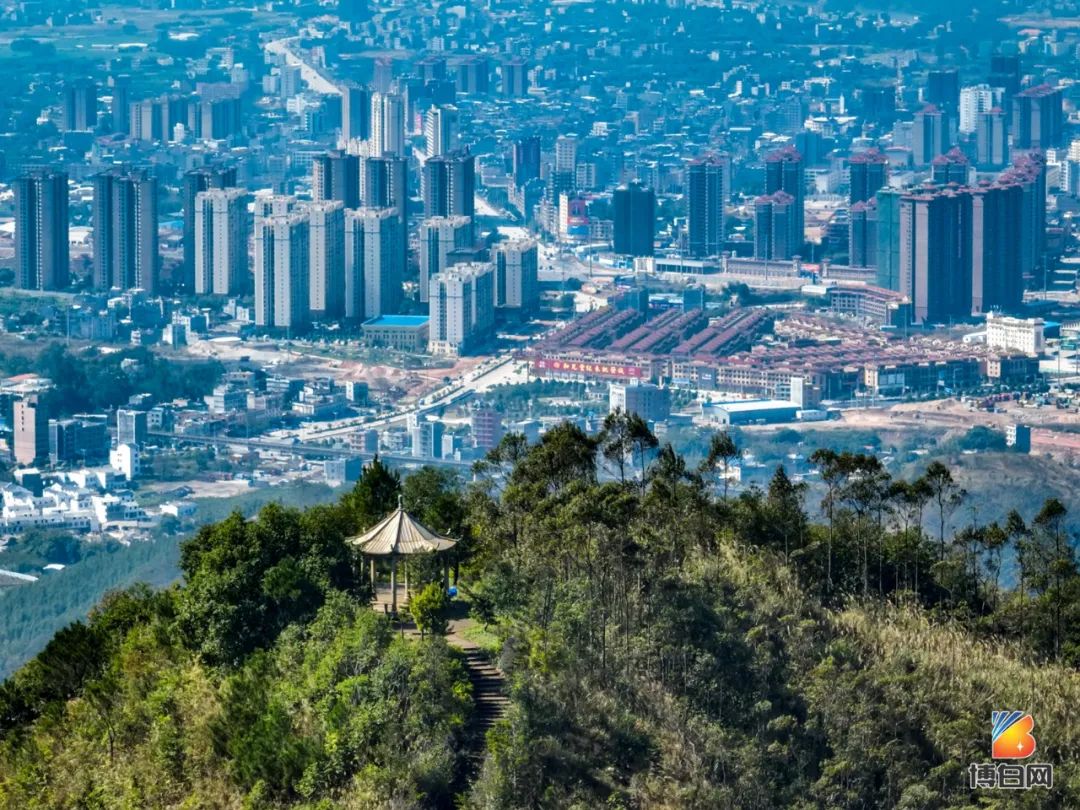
615	441
248	580
786	513
373	496
1053	568
722	452
945	494
429	607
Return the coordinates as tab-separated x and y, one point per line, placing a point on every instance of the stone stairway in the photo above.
490	701
489	692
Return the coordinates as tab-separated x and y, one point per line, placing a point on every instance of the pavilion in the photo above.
398	534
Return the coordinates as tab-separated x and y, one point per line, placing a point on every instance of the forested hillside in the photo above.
669	642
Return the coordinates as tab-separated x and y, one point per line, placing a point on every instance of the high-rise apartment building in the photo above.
431	68
935	254
878	103
888	238
784	171
374	263
943	89
517	283
84	440
382	76
776	234
439	237
221	242
635	220
449	185
705	198
155	119
203	178
1029	173
336	176
462	308
387	124
487	428
440	131
355	113
1005	73
868	171
30	431
526	159
862	234
991	139
119	108
473	76
952	167
566	153
997	279
958	250
132	427
326	248
282	266
125	236
41	230
79	113
974	101
514	77
929	134
273	205
1038	118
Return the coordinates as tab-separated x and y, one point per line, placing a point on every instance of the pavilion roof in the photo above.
399	533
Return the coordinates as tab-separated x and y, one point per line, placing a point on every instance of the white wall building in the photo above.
221	242
440	130
976	99
282	268
650	402
438	237
374	263
1015	334
125	460
326	251
387	124
461	307
64	505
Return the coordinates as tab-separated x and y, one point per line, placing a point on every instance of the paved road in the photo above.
504	372
308	450
310	75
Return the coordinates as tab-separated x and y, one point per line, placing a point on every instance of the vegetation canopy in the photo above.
667	641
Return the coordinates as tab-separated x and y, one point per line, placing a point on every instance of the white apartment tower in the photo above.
566	153
221	242
438	237
374	263
267	205
281	271
440	130
326	221
974	100
462	307
387	124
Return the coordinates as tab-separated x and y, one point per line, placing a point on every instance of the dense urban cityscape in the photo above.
268	254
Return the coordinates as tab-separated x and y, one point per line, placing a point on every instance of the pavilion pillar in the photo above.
371	563
393	584
406	580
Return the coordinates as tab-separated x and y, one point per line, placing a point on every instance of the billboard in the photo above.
597	368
